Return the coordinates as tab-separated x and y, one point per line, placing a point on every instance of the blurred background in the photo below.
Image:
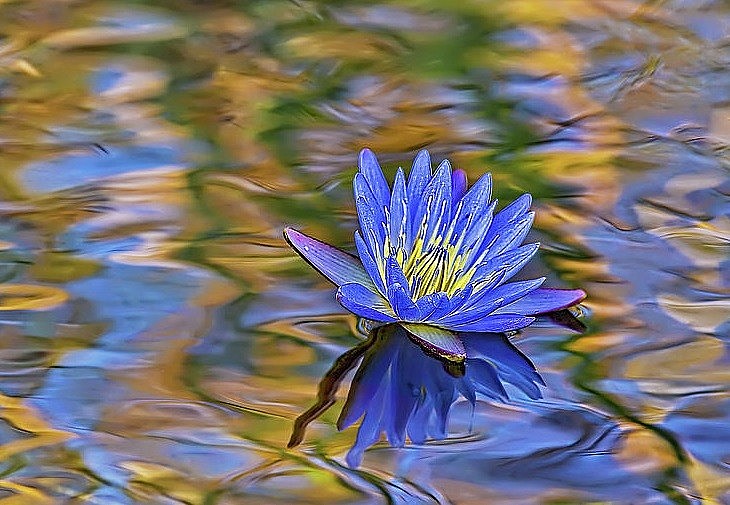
158	337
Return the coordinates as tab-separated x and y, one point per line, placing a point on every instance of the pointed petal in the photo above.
461	296
485	303
399	212
434	205
429	304
370	214
401	302
544	300
394	274
474	237
495	323
505	222
364	303
458	186
370	168
436	340
471	207
451	305
335	264
418	179
513	211
509	263
511	235
371	267
503	294
490	281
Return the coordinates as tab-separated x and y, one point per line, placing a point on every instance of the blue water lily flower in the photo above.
434	257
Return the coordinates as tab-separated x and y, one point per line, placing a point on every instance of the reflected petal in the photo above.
366	382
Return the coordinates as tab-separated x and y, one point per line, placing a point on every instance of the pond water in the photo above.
159	337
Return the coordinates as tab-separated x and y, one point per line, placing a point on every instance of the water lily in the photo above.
434	257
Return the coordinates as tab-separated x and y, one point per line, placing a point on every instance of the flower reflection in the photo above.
406	393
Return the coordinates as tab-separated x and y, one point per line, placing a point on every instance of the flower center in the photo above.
436	262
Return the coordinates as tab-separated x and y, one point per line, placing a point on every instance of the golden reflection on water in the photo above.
158	339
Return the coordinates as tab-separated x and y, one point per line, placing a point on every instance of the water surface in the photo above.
159	338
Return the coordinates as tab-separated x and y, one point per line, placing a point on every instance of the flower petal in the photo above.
436	340
511	235
399	221
364	303
544	300
371	216
431	303
371	267
458	186
394	275
402	304
509	263
513	211
487	302
495	323
335	264
472	206
434	205
370	168
506	230
417	181
500	240
451	304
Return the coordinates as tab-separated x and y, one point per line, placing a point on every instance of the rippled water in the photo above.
159	338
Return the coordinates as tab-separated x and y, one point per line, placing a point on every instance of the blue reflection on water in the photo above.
74	170
401	390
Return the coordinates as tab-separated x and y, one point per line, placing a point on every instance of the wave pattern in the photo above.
159	339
